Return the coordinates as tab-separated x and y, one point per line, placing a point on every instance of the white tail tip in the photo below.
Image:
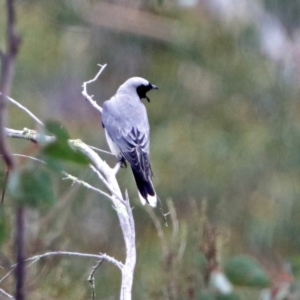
151	200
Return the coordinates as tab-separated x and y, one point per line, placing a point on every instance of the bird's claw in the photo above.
123	162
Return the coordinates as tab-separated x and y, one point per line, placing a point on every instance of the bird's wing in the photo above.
136	151
131	135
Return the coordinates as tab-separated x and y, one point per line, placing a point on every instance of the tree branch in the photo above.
100	256
29	134
86	185
108	177
7	73
122	206
91	278
6	294
85	93
26	110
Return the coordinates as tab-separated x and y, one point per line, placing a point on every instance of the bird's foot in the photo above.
123	162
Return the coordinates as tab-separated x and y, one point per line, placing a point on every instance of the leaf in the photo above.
245	271
31	187
201	261
57	130
61	149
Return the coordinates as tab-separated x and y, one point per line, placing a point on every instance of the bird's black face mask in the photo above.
143	89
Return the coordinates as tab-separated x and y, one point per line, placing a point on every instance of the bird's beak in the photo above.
148	99
154	87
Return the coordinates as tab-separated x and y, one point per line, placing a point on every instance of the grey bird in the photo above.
126	126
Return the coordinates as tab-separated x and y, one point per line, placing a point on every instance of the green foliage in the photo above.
201	261
245	271
206	295
209	295
61	149
31	186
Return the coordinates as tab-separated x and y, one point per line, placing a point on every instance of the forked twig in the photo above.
91	278
85	93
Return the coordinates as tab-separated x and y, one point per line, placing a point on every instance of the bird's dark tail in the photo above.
145	187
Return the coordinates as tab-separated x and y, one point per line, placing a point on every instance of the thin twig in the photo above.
102	178
30	157
100	256
32	260
9	296
7	274
85	93
86	185
100	150
26	110
91	278
31	135
104	256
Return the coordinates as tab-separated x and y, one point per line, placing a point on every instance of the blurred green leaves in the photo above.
31	186
207	295
61	149
245	271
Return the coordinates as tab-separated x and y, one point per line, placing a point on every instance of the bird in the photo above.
127	131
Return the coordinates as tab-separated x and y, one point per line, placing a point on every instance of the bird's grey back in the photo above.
123	113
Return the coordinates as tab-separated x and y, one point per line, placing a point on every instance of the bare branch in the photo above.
7	274
101	150
7	73
35	137
91	278
8	61
32	260
29	134
108	176
122	206
106	257
30	157
85	93
102	178
6	294
86	185
102	166
26	110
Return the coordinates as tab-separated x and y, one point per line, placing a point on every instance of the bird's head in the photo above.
139	85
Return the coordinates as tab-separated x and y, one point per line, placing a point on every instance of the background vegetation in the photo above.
225	137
